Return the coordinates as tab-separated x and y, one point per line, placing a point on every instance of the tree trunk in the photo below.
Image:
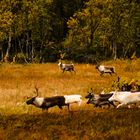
32	51
6	57
114	50
27	50
2	56
1	52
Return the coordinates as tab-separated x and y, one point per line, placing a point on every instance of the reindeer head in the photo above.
32	99
97	66
90	94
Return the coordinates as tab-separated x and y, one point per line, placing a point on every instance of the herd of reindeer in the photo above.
124	97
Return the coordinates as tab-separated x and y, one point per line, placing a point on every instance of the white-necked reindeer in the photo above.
60	101
66	67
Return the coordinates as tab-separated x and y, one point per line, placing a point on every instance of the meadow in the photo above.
19	121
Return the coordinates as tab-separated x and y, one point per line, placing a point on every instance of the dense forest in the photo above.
37	31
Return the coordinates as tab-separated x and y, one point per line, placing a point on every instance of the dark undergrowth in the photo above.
117	124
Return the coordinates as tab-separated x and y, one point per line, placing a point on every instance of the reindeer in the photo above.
98	100
66	67
105	69
47	102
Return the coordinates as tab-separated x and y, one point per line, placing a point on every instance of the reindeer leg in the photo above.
68	107
95	105
120	105
109	105
60	107
74	71
99	105
70	71
110	73
101	73
112	104
43	109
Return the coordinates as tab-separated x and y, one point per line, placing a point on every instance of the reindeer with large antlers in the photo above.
47	102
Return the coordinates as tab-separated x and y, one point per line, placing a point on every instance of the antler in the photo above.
36	91
91	90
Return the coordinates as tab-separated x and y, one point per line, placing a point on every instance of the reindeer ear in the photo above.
28	97
102	92
115	92
91	90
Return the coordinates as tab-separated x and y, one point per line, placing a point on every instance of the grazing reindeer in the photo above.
47	102
105	69
66	67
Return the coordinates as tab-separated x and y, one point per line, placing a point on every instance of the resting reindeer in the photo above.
105	69
66	67
99	100
47	102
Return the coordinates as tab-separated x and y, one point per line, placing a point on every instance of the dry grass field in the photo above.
21	122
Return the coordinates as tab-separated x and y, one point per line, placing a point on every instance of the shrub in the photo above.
19	58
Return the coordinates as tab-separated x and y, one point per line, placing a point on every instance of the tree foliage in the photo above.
83	30
106	29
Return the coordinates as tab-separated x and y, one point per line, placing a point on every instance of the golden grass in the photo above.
19	121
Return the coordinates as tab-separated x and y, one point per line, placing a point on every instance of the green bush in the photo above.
19	58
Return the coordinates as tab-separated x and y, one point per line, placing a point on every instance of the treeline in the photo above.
80	30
